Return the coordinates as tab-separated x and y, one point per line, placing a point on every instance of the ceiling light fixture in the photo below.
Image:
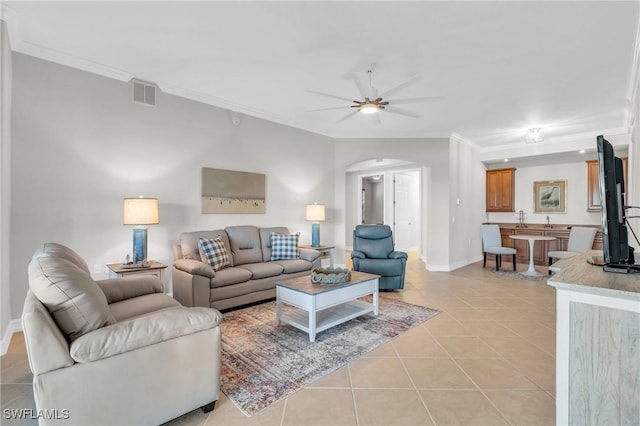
535	134
369	108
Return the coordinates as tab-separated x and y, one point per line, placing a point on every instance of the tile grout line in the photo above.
415	388
353	395
469	377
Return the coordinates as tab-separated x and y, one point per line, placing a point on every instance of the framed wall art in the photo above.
230	191
550	196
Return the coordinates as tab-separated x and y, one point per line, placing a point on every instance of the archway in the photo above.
386	191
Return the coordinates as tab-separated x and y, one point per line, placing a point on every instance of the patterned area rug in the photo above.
263	363
518	276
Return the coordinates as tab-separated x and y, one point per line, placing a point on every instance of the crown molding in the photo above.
461	139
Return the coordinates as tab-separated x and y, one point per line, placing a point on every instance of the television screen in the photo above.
618	255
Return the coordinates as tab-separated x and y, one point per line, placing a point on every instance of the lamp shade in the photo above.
140	211
315	213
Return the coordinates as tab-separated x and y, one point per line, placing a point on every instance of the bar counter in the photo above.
597	343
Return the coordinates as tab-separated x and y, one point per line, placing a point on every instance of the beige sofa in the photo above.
117	351
251	276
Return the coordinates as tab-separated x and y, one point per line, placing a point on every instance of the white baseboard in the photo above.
15	325
454	266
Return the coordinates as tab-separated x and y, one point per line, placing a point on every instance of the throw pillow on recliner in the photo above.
284	246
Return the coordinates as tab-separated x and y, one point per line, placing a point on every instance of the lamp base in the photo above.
139	244
315	234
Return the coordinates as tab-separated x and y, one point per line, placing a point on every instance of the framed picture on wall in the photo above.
550	196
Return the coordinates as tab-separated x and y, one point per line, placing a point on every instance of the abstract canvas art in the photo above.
229	191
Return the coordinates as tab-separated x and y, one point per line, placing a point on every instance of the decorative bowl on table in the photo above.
330	276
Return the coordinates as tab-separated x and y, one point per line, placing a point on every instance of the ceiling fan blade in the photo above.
376	119
351	114
331	96
401	86
400	111
363	87
328	109
416	100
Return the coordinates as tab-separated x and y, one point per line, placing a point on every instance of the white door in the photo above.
402	211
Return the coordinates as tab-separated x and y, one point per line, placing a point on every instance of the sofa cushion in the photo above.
230	276
73	298
245	244
284	246
293	266
191	249
215	253
263	270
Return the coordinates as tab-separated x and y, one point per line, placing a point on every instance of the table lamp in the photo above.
140	211
315	214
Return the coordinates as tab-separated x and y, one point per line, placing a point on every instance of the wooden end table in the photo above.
117	271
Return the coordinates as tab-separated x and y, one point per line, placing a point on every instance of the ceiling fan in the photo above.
372	102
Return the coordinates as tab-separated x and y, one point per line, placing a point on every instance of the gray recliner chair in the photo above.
117	351
373	252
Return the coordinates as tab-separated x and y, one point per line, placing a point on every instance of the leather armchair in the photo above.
373	252
117	351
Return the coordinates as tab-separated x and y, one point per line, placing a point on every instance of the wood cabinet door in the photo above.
500	190
593	184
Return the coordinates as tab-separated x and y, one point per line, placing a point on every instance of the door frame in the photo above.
359	195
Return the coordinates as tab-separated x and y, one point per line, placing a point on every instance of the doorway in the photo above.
372	199
387	195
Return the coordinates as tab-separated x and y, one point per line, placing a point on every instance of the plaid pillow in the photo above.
214	252
283	246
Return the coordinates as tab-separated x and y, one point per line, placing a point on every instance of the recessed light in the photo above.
582	151
506	159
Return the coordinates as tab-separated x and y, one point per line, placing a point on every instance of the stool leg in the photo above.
514	262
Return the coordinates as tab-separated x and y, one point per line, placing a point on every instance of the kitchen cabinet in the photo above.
500	190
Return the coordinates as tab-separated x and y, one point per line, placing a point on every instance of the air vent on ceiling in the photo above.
144	93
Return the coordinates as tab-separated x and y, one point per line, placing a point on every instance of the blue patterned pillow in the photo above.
284	246
214	252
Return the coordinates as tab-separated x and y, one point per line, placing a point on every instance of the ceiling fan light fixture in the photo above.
369	108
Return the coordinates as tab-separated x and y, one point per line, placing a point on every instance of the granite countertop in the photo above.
577	274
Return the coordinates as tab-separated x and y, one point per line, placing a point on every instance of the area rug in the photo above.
263	363
515	275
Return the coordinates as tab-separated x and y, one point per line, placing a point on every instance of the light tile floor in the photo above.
487	359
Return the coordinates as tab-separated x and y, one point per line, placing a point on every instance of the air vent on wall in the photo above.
144	93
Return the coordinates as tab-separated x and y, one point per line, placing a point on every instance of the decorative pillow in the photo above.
214	252
284	246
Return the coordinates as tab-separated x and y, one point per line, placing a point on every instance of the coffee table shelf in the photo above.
329	317
318	307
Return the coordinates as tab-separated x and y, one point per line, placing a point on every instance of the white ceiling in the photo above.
501	67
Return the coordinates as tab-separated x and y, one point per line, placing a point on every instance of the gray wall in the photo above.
80	146
5	177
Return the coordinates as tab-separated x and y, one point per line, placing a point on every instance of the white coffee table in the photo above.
322	306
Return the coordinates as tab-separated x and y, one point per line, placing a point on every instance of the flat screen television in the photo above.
618	255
